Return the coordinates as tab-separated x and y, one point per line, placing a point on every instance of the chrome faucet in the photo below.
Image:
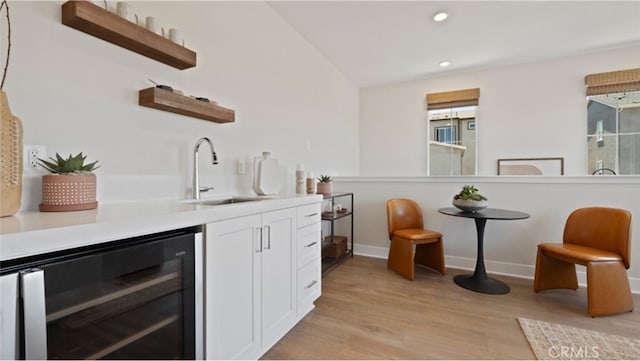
196	180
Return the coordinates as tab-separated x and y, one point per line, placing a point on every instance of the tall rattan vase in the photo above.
10	159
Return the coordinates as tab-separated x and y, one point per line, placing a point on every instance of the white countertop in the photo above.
31	233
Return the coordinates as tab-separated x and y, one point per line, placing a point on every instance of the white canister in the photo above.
173	35
150	24
123	9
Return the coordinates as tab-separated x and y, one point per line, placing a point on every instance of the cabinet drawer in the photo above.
309	285
308	246
308	214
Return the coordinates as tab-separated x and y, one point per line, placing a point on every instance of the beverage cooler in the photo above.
138	298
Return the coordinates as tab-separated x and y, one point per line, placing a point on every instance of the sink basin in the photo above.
223	201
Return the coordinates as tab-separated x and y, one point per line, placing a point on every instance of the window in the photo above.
613	133
446	134
613	122
452	132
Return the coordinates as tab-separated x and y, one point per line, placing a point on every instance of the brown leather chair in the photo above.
600	239
406	232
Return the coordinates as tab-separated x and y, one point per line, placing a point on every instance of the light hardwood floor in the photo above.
369	312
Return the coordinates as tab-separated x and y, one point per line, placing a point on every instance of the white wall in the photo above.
74	92
525	111
510	246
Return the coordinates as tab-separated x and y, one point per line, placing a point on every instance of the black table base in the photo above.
479	282
489	285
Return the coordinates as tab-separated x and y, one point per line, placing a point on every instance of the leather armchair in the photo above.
410	242
600	239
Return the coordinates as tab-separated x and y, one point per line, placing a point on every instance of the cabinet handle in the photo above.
311	215
268	228
311	284
259	231
312	244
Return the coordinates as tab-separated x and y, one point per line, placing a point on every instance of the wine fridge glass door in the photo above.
127	303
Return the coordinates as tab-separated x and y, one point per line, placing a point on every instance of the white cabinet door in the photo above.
278	275
250	281
232	296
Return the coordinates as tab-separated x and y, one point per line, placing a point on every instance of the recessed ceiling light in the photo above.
444	63
440	16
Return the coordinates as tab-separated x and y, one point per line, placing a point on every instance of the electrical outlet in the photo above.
242	167
31	153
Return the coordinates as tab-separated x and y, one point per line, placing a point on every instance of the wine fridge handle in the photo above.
34	314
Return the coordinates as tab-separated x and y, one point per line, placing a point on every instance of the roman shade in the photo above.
613	82
452	99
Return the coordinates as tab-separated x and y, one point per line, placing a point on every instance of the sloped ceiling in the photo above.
382	42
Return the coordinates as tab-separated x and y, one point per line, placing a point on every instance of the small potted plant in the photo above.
469	199
325	185
71	186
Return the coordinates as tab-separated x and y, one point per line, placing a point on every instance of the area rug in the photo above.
551	341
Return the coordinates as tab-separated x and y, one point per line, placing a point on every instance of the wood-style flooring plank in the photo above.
367	311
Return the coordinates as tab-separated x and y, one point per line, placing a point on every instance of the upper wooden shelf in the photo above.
171	102
96	21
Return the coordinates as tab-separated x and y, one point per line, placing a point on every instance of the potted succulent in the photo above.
469	199
71	186
325	185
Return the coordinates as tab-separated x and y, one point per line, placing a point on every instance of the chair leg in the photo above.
431	255
554	273
608	288
401	257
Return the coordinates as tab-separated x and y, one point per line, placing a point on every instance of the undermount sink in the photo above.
223	201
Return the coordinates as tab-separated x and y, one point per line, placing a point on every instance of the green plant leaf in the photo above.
89	167
47	165
324	178
72	164
470	192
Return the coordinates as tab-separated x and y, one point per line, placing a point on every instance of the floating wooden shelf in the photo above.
171	102
96	21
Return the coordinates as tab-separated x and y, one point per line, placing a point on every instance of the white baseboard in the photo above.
493	267
370	251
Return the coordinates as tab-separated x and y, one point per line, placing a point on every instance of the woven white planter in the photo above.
68	192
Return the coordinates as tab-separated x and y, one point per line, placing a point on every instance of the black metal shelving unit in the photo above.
328	263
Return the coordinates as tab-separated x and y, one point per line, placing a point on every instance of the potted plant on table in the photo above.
325	185
469	199
71	186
